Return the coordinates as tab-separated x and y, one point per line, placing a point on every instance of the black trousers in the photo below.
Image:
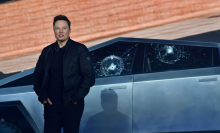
58	116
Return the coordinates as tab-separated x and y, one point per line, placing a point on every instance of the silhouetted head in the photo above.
109	100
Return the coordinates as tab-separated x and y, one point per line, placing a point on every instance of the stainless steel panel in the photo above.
176	104
114	80
118	92
30	102
16	90
108	109
177	74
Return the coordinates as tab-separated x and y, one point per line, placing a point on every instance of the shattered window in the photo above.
164	57
114	59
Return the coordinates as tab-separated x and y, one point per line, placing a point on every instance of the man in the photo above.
62	78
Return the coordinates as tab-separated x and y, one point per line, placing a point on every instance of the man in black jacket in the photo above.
62	78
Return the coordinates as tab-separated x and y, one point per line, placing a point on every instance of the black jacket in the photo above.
78	73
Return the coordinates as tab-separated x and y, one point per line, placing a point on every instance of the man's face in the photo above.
61	30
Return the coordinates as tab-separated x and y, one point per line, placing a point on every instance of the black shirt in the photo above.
56	84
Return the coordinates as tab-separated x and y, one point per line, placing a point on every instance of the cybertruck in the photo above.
142	85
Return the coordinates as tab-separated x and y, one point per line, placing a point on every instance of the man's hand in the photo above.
48	100
74	102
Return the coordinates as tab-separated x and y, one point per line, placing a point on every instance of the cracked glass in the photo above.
165	57
114	59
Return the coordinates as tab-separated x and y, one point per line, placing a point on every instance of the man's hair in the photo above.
61	17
